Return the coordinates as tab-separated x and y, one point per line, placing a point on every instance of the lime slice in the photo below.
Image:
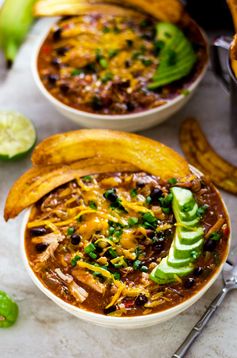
17	135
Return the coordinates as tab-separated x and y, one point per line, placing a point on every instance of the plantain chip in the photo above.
77	7
146	154
164	10
38	181
200	154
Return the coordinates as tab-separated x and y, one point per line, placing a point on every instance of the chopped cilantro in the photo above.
76	72
202	210
166	210
149	221
106	29
108	76
113	52
92	204
70	230
136	264
148	200
132	221
117	276
89	248
215	236
87	178
74	260
133	193
172	181
146	62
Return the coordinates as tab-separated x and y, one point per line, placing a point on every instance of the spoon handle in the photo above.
199	326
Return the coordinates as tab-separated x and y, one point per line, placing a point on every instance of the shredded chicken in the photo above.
88	279
67	278
78	292
52	240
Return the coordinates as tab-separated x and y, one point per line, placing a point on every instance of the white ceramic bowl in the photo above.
127	122
117	322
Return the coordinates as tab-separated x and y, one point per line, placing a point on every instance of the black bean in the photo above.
112	196
210	245
127	64
96	103
130	106
150	233
62	50
141	300
64	88
57	34
52	78
159	244
75	239
109	309
40	247
38	231
155	195
198	271
189	282
55	62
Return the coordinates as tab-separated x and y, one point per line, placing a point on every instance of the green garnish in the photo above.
185	92
202	210
93	255
117	276
74	260
87	178
70	230
148	200
132	221
8	310
215	236
144	268
133	193
107	77
166	201
166	210
89	248
149	221
136	264
92	204
113	52
172	181
76	72
103	62
146	62
119	262
158	46
106	29
112	252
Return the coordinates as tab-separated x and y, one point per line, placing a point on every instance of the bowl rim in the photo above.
111	117
122	321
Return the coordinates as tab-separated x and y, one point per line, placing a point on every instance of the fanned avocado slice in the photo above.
188	241
189	237
177	56
173	261
164	273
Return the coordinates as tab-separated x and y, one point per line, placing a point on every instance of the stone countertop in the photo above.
45	330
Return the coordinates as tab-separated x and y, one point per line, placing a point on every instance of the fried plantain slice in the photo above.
164	10
146	154
200	153
38	181
77	7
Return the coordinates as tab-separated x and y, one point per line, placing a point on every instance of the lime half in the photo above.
17	135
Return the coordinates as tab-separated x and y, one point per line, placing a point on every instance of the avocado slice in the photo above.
188	241
174	262
189	237
164	273
183	251
176	47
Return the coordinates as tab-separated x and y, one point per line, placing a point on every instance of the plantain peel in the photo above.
38	181
200	153
146	154
163	10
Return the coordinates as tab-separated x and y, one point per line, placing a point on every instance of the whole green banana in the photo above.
15	20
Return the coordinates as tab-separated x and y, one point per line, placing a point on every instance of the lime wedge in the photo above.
17	135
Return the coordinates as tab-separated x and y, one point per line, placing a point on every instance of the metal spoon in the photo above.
229	276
